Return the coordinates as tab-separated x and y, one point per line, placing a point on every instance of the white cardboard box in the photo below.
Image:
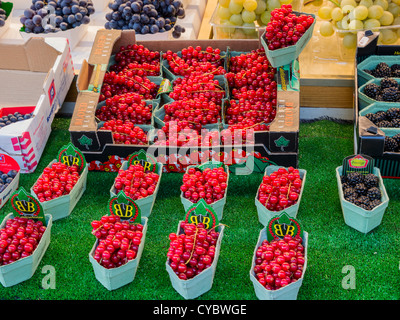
36	73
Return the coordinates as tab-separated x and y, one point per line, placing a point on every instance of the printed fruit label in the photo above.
147	161
203	213
125	208
359	163
8	163
70	155
280	226
27	206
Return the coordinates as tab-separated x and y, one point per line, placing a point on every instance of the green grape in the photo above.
238	34
360	12
394	9
224	13
248	16
386	19
249	28
347	9
227	27
224	3
235	8
250	5
261	6
371	24
236	19
238	1
398	33
383	3
339	26
325	12
396	21
273	4
387	36
366	3
396	2
265	17
345	23
375	12
352	3
337	14
356	25
326	29
350	41
286	1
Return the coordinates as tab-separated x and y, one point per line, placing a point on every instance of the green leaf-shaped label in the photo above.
27	206
125	207
85	141
70	155
282	142
281	225
142	157
201	212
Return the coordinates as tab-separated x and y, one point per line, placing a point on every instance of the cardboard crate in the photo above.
277	146
368	139
36	74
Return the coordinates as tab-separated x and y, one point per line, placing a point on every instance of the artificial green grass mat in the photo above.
334	248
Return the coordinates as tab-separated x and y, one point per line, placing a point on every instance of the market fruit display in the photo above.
56	15
208	184
146	17
118	241
192	250
129	106
14	117
125	132
392	144
240	19
362	190
195	59
382	70
385	119
349	16
6	179
136	182
387	90
285	27
19	239
56	180
280	189
279	262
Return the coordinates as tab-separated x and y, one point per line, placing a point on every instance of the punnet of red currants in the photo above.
136	182
279	262
56	180
281	189
118	240
126	132
192	250
286	27
208	184
19	238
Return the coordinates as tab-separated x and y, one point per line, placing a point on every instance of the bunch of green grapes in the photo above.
240	18
350	16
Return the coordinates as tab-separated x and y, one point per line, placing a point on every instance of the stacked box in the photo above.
369	139
277	146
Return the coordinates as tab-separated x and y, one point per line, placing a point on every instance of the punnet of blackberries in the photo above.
14	117
362	189
389	118
387	90
382	70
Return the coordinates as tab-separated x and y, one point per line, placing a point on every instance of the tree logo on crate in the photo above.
282	142
26	205
148	162
125	208
282	225
70	156
203	213
85	141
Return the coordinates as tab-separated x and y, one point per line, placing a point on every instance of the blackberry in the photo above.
397	138
393	113
372	90
390	94
361	189
383	124
394	68
380	116
363	202
352	199
390	144
371	117
374	193
375	203
346	185
371	180
355	178
347	192
395	123
369	71
389	83
382	70
379	97
396	73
